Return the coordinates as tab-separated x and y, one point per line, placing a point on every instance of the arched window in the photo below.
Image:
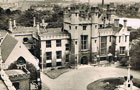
21	62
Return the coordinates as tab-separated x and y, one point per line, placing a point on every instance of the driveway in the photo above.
79	79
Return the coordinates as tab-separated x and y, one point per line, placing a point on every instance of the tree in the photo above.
135	56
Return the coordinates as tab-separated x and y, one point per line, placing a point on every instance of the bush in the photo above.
124	61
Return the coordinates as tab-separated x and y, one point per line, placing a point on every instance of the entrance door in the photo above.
84	60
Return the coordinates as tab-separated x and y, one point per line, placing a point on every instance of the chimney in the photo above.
38	28
43	21
34	21
116	23
10	25
102	3
14	23
125	23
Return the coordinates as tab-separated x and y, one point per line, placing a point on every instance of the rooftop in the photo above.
7	46
2	85
14	72
22	29
52	31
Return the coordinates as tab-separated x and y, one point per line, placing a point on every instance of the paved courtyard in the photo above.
78	79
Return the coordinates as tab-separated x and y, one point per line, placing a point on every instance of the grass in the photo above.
110	83
53	74
105	84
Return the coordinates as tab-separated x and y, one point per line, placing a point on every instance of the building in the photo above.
85	36
14	80
54	47
96	35
15	55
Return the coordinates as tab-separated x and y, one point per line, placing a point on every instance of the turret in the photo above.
94	21
94	14
75	17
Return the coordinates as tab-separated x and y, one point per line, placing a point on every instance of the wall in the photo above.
53	49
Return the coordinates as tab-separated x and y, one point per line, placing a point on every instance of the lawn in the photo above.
109	83
55	72
104	84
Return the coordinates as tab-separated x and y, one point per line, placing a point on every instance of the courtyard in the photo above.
78	79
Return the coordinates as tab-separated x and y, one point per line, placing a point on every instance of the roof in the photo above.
22	29
52	31
3	86
3	32
14	72
110	29
7	46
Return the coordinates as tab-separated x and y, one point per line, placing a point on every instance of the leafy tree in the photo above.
135	56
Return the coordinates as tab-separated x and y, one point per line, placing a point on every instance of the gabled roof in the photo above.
7	46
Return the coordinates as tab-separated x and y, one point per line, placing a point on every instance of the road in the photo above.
79	79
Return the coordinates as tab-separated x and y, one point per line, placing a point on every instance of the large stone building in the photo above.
84	37
95	35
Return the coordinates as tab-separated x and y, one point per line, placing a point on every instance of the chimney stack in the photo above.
125	23
102	3
38	27
43	21
116	23
10	25
34	21
14	23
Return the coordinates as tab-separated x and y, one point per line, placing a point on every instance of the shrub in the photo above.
124	61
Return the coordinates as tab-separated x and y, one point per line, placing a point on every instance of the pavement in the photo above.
78	79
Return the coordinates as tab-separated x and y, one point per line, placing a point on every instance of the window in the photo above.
70	27
103	45
125	38
84	41
48	55
95	41
84	27
95	26
67	46
76	42
58	54
67	58
122	50
16	85
25	40
75	27
119	39
110	38
101	26
58	43
48	43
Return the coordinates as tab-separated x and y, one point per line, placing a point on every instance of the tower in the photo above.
94	31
